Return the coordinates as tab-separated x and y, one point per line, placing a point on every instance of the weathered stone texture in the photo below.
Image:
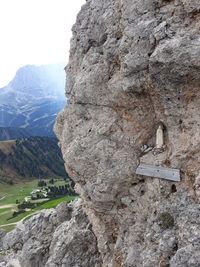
55	237
133	64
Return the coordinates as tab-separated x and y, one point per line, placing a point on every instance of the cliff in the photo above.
54	237
134	64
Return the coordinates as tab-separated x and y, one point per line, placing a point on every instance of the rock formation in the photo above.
54	237
135	64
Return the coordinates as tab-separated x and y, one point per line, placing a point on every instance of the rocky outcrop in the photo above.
133	65
54	237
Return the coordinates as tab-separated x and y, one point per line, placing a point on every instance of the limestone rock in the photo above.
134	64
2	234
54	237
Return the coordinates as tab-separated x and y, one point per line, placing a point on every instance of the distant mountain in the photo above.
33	99
33	157
9	133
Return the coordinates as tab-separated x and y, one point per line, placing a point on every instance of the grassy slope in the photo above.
53	203
19	192
6	146
8	228
31	157
9	133
48	205
3	211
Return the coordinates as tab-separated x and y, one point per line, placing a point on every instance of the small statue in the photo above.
159	137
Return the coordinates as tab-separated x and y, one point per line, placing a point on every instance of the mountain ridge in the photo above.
29	158
33	99
10	133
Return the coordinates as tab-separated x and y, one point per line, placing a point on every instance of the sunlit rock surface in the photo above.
134	64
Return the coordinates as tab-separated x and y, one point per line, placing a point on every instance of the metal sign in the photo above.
159	172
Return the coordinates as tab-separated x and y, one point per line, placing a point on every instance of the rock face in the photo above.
54	237
135	64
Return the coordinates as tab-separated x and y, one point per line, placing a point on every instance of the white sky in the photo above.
34	32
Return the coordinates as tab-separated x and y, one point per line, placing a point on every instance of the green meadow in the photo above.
9	194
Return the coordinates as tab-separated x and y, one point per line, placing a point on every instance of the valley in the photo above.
10	133
32	157
32	177
13	195
36	118
32	100
32	172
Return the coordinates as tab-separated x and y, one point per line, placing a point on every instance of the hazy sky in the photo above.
34	32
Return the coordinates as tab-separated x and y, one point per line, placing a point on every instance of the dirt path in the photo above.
22	220
19	222
8	206
8	224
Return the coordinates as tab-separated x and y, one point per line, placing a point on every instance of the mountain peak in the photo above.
44	80
33	98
